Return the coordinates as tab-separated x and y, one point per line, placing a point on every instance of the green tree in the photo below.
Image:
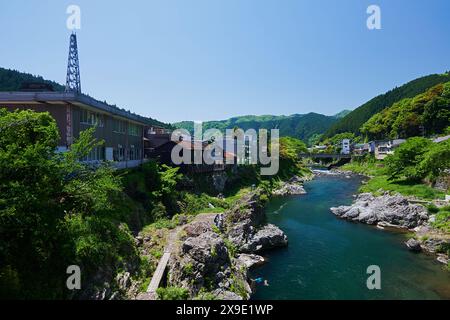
404	162
435	161
54	210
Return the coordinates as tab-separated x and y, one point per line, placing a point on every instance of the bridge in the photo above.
325	155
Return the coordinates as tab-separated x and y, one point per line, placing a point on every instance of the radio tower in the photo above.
73	82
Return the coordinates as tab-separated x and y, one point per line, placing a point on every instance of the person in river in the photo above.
260	280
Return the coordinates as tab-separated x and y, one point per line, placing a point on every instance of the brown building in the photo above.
122	131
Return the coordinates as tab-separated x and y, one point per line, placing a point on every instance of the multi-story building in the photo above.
382	148
122	131
345	146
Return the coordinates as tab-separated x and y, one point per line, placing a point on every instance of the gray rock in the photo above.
292	187
250	260
227	295
393	210
268	237
413	245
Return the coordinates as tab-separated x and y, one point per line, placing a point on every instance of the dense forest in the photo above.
13	80
425	114
301	126
354	120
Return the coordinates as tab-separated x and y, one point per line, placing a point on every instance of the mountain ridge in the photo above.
302	126
353	121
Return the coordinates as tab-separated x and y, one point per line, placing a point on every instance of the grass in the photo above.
380	182
442	220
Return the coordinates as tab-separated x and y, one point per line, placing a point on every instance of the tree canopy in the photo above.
54	210
355	119
426	113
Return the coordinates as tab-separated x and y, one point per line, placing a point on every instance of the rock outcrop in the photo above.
386	210
245	226
413	245
216	259
396	211
292	187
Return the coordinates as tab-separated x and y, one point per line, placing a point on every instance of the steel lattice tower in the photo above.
73	82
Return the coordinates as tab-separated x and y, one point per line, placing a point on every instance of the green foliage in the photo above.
300	126
380	181
205	295
12	80
404	162
442	220
428	112
335	142
290	163
172	293
232	249
354	120
191	203
154	186
237	286
435	161
406	188
419	158
54	210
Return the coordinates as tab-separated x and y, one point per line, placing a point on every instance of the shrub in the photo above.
172	293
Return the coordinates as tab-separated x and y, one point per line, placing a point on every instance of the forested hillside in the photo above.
300	126
425	114
354	120
12	80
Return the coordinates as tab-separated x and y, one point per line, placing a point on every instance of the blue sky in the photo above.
210	59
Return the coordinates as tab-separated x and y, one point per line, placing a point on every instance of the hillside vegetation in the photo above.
354	120
12	80
427	113
301	126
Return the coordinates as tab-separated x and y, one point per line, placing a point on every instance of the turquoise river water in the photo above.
327	257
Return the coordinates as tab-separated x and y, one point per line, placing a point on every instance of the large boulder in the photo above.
293	187
245	226
268	237
385	210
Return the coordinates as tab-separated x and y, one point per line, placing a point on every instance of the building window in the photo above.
91	118
133	130
135	153
97	154
119	126
119	153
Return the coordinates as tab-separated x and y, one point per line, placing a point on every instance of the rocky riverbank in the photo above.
292	187
396	211
213	256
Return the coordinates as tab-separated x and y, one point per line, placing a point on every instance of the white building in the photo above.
345	146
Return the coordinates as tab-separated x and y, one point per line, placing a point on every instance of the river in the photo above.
327	258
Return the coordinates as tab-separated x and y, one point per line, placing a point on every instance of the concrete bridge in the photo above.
325	155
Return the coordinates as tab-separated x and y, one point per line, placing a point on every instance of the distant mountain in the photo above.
353	121
12	80
301	126
342	114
